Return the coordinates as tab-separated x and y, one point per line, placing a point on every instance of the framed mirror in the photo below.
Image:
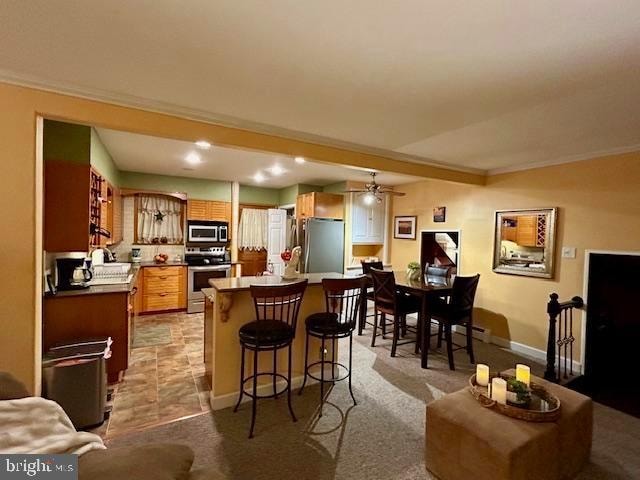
525	242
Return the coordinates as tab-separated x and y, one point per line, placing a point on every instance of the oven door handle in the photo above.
206	268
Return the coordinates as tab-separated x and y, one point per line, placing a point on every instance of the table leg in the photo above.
425	334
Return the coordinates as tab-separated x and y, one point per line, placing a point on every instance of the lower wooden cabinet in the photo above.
163	288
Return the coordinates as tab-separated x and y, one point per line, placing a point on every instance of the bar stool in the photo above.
363	322
343	299
388	301
277	309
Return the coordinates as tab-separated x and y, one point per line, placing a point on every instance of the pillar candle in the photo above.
523	374
499	390
482	375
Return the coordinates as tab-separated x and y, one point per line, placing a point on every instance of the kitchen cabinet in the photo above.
164	287
527	230
208	210
320	205
114	214
367	222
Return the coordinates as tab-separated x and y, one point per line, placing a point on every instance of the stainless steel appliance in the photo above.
204	263
322	242
206	232
73	271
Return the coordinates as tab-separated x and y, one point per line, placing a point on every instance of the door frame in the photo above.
443	230
585	296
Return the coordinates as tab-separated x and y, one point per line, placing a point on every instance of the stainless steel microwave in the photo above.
201	231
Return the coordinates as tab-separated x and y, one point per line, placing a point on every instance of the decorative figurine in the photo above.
290	272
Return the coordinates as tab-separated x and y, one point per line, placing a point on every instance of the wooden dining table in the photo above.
425	287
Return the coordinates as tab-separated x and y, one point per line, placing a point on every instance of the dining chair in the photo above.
388	301
366	270
274	328
458	311
343	299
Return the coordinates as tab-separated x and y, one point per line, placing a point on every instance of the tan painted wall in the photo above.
599	208
19	189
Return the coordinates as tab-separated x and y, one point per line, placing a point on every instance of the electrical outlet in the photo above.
568	252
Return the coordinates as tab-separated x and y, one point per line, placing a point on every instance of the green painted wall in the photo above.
66	141
198	188
102	161
335	187
259	195
287	195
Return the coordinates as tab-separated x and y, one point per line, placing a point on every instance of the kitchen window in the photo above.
159	219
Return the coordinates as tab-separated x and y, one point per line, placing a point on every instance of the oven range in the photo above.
204	263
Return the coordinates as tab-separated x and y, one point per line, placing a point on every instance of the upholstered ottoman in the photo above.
465	440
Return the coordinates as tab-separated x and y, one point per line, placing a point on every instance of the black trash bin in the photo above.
74	375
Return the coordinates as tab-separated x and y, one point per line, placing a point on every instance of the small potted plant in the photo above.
413	270
518	393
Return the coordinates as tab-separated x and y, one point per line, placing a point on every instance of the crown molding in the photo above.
158	106
562	160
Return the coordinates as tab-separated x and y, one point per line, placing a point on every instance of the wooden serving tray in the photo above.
545	407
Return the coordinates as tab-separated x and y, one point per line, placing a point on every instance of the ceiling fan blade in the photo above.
354	191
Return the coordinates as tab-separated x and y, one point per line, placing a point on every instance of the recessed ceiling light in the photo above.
203	144
193	158
259	177
277	170
299	160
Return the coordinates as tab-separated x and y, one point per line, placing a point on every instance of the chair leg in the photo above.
333	359
440	332
419	327
322	377
375	328
404	325
254	402
470	342
306	362
449	339
275	369
396	334
235	409
384	326
350	366
293	415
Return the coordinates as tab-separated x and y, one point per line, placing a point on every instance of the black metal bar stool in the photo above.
277	310
363	322
343	300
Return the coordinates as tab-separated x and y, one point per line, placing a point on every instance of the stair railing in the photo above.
560	339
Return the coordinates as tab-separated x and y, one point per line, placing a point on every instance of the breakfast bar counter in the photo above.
229	306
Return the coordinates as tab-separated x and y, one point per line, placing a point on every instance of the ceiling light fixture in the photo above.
300	160
193	158
277	170
369	198
259	178
203	144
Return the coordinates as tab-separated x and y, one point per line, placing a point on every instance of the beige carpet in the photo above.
381	438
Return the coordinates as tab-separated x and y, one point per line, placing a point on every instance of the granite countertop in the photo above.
101	289
237	284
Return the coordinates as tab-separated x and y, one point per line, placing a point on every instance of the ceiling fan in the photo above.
374	192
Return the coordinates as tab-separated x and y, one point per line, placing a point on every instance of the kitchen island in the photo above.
229	306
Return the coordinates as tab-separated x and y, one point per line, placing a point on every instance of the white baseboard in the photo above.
230	399
479	333
535	353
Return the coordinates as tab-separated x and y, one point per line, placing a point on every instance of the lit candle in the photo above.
523	374
482	374
499	390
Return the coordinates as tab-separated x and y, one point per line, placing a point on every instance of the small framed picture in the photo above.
404	227
439	214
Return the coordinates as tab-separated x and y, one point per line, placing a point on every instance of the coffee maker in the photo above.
73	272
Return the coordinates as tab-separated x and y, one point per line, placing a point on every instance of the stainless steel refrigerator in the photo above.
322	242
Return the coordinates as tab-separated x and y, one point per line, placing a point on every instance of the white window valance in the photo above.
253	229
159	217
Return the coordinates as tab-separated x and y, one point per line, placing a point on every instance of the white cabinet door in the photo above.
367	222
277	239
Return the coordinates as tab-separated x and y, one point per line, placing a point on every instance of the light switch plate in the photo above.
568	252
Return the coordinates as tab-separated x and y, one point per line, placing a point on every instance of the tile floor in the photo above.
164	381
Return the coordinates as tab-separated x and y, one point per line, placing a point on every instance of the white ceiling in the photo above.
487	84
162	156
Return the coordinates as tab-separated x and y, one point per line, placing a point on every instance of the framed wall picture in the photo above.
404	227
439	214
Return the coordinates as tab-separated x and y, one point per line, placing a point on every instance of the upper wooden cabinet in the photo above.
320	205
114	214
527	231
367	222
208	210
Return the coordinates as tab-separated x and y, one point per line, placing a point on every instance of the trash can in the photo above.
75	376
